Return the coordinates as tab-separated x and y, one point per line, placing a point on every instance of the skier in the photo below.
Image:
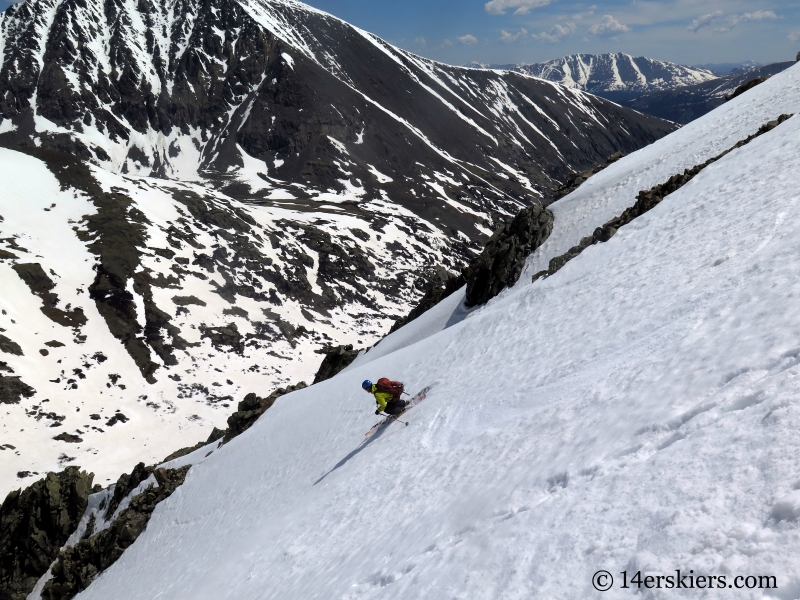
387	394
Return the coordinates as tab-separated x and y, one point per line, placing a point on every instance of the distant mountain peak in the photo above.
614	72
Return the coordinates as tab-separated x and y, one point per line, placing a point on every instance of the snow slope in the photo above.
636	411
84	384
614	189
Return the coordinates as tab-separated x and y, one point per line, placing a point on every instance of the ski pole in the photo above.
395	418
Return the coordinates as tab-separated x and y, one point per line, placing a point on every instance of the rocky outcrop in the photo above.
227	336
336	359
77	566
35	524
9	346
500	264
745	87
126	483
437	292
40	284
646	200
12	389
252	407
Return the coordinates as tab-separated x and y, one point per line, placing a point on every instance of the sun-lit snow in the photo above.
636	411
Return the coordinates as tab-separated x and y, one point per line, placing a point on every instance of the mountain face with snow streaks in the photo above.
199	196
617	73
274	100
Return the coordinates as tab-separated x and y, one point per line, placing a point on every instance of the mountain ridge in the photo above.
612	75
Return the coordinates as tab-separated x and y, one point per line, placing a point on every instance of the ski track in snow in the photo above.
636	411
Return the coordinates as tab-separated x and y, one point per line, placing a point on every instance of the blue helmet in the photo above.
367	385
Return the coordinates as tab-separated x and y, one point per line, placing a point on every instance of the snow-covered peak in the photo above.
616	72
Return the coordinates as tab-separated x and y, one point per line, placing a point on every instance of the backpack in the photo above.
392	387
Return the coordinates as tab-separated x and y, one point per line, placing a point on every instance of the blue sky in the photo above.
507	31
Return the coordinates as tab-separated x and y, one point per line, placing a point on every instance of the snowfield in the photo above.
636	411
86	383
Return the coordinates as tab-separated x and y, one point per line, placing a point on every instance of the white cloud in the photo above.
469	40
499	7
609	26
447	43
510	38
584	15
557	33
718	24
758	15
705	21
794	36
421	41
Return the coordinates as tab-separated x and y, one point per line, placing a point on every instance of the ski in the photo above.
415	399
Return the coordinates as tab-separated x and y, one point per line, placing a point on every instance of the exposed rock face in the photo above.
252	407
34	524
126	483
40	284
501	262
79	565
9	346
336	359
746	86
13	389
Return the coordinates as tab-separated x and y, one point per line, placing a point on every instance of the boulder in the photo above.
252	407
500	264
336	359
12	389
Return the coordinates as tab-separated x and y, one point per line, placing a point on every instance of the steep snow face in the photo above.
617	72
636	411
591	205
